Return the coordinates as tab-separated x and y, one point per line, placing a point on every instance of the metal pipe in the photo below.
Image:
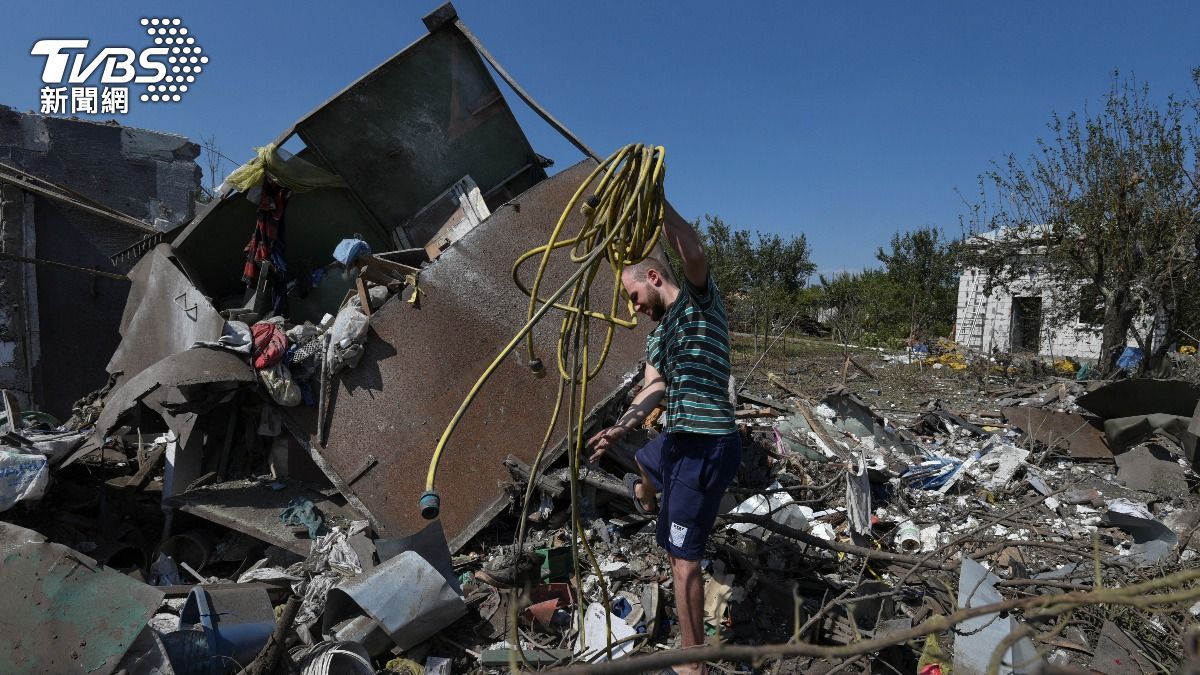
54	263
558	126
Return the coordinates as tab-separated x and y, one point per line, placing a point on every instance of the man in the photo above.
697	455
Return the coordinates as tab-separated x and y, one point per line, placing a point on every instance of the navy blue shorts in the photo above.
691	471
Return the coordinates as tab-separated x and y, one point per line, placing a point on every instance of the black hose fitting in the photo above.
431	505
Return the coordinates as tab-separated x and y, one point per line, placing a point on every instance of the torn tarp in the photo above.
1152	539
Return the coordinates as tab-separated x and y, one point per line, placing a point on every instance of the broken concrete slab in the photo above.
1079	436
1117	654
64	612
1152	468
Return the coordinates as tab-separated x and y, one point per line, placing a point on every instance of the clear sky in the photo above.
844	121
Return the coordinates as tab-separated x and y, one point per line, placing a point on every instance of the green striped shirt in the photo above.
690	348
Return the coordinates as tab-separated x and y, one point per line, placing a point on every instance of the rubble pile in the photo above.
845	526
242	494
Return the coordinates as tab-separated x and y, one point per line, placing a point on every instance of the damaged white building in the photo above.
1018	316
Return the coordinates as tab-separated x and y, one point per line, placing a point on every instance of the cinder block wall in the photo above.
984	322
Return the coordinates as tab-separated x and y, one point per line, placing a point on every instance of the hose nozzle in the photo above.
539	370
431	505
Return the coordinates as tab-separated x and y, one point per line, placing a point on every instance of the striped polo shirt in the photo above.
690	348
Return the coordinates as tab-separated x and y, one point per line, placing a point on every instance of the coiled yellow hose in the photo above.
623	220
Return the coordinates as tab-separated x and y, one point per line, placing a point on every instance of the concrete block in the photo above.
142	144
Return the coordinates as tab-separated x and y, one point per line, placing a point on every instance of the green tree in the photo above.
1108	204
761	275
922	269
860	306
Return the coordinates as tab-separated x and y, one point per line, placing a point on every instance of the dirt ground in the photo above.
812	366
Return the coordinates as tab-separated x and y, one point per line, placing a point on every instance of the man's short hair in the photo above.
650	263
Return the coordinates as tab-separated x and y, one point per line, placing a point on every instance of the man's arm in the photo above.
686	241
653	388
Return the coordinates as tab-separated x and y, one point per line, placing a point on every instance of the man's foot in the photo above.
643	497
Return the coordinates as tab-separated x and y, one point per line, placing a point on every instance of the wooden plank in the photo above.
142	477
753	413
364	298
522	470
499	658
761	400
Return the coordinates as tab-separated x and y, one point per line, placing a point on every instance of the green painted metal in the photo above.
64	612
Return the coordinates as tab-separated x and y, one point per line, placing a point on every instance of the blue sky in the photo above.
843	121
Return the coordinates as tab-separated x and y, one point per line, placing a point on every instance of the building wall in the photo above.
58	327
14	356
984	322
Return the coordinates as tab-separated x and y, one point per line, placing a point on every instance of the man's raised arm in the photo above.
686	241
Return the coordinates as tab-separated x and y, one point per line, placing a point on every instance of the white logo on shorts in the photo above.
678	534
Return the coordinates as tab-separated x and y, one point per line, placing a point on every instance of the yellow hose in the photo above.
622	224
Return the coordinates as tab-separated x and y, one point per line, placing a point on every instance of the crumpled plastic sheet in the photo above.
345	339
858	498
23	476
1152	539
932	473
236	337
331	560
779	505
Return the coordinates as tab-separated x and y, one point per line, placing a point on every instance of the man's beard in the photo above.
655	303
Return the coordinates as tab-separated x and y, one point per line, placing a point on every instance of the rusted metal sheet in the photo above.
63	611
1076	434
419	363
428	116
253	509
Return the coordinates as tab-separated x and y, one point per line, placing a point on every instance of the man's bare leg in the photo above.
644	490
689	608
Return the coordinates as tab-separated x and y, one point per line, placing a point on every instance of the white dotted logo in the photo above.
99	83
185	59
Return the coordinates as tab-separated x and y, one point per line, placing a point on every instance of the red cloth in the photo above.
268	230
270	344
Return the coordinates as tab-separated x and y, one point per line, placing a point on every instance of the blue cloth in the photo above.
350	249
301	511
1130	358
691	471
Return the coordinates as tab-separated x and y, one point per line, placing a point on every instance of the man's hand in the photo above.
604	440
